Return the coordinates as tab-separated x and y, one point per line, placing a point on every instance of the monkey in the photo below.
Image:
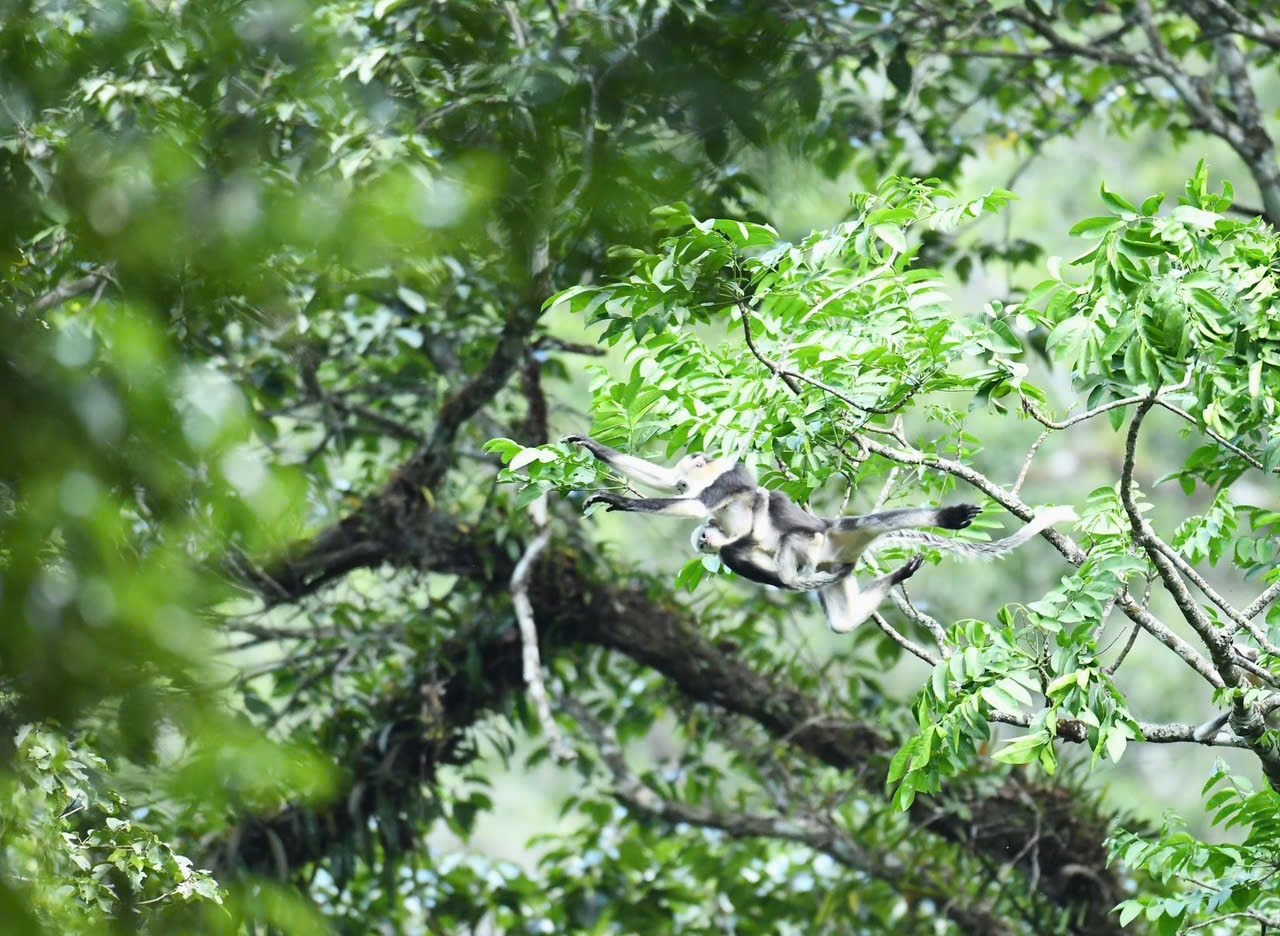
722	488
844	604
833	553
765	537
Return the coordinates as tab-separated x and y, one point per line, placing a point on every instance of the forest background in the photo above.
277	276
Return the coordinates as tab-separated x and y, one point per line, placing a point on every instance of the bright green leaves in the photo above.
1095	227
954	708
541	469
1220	881
1187	294
1119	205
1208	535
858	332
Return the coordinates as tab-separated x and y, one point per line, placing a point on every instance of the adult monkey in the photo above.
764	536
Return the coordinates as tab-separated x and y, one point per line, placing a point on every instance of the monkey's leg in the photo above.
666	506
847	607
637	469
848	537
797	559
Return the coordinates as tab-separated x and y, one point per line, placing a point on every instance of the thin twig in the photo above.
1026	465
1124	651
906	643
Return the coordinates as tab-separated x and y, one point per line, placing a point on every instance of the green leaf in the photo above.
1196	217
1130	910
899	69
1005	341
892	236
1115	742
1115	202
998	698
1041	291
1024	749
1095	227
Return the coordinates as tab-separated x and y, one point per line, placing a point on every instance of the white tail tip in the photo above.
1051	515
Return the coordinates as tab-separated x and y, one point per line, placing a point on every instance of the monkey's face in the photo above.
708	538
696	472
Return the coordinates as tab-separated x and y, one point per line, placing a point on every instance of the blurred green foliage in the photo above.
264	268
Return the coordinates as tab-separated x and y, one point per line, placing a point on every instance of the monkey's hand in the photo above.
957	517
614	501
586	442
909	568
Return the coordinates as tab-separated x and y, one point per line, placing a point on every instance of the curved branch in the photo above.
819	834
425	727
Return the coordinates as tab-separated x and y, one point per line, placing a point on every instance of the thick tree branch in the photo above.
64	292
1246	721
1216	641
398	521
1250	139
425	727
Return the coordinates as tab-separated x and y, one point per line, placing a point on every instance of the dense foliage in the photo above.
299	298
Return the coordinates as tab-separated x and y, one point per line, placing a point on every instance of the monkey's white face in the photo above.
696	472
708	538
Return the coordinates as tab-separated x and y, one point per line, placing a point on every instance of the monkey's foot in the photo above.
958	516
909	568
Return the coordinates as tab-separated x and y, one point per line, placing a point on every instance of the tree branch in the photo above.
425	727
1215	640
67	291
1246	721
819	834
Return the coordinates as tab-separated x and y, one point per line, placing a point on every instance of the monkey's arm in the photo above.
666	506
637	469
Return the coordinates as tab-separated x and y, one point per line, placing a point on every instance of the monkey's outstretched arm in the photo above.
637	469
690	507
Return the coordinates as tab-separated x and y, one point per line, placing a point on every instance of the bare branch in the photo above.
819	834
1030	408
1259	604
1156	733
1251	139
1240	620
529	632
67	291
1217	642
902	641
1110	670
1026	465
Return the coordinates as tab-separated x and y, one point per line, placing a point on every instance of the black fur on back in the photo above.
790	518
736	480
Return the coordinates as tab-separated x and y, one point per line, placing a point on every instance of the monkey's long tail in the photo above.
1210	728
992	550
